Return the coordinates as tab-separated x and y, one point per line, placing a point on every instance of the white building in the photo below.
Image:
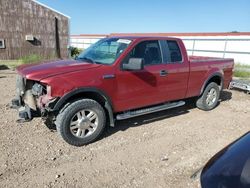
85	40
224	45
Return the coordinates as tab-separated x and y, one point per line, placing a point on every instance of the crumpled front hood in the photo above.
47	69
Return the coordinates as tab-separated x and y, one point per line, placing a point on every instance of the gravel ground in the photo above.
158	150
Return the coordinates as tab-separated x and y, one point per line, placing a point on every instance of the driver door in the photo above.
136	89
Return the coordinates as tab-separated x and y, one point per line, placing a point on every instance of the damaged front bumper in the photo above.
24	112
30	101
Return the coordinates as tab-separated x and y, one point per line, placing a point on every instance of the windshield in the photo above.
105	51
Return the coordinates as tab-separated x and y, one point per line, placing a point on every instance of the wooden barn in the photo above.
29	27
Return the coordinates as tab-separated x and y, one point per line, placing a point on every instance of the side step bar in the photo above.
149	110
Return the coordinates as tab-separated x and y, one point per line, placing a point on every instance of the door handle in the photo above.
108	76
163	73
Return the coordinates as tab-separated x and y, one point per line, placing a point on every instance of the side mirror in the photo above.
134	64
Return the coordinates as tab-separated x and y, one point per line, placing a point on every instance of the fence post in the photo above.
225	48
193	47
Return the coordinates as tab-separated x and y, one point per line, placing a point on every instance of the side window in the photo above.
148	50
174	51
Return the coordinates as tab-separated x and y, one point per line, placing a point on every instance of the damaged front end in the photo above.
33	99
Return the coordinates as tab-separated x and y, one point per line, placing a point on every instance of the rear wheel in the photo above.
209	99
81	122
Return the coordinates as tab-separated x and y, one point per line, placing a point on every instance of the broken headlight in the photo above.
37	89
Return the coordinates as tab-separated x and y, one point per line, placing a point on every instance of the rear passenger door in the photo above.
177	69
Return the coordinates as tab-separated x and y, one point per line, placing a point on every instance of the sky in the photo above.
145	16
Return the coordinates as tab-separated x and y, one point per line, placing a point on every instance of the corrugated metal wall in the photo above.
237	47
19	18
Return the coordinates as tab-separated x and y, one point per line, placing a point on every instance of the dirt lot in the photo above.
158	150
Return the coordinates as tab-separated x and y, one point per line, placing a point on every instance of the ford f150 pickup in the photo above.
117	78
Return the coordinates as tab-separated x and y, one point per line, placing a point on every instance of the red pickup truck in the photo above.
114	79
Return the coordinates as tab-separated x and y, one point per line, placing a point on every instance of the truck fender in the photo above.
107	102
208	80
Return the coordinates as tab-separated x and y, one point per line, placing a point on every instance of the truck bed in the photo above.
194	59
200	69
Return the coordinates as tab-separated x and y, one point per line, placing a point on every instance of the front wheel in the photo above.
209	99
81	122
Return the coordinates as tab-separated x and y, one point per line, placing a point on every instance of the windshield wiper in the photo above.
87	59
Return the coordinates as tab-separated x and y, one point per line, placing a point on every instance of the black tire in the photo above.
202	103
64	119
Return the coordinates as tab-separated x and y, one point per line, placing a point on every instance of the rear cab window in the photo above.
171	52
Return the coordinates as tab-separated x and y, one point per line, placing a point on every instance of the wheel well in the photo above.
216	79
102	100
90	95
